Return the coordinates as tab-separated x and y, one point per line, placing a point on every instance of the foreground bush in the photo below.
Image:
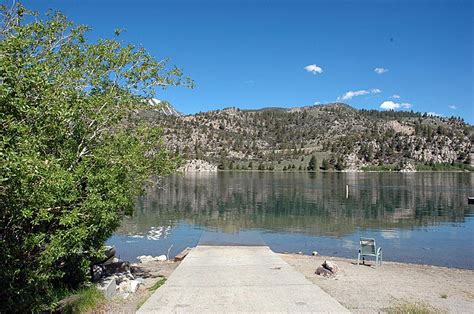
72	158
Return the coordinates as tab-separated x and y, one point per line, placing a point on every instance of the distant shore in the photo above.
335	171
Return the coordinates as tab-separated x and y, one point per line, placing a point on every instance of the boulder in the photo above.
134	284
145	258
149	258
108	287
331	266
116	267
161	258
324	272
97	272
123	286
328	269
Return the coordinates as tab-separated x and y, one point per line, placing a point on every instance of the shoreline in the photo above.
353	259
369	289
332	171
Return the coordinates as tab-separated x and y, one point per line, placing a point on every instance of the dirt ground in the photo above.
366	289
151	272
361	289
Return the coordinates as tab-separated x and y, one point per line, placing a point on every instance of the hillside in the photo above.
339	136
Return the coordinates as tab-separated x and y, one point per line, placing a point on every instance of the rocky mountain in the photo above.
334	136
163	107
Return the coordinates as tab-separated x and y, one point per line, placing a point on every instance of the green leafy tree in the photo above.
74	155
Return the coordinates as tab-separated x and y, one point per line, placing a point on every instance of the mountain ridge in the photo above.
342	137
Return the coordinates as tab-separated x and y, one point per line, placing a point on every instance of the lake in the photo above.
415	217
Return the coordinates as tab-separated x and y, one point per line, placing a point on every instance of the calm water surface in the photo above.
414	217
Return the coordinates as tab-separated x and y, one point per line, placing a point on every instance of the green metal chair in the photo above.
367	247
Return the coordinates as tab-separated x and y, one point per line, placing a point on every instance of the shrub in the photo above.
73	156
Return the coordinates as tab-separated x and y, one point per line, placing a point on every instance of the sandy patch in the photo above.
365	289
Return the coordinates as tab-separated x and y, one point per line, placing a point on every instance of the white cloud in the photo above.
434	114
380	70
313	68
452	107
317	103
390	105
350	94
396	96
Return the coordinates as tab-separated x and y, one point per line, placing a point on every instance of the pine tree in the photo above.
325	165
312	163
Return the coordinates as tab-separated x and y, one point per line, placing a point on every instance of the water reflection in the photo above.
297	211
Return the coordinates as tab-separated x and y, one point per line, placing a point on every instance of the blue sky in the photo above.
253	54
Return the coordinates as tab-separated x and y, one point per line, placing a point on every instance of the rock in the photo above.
149	258
123	286
408	167
99	271
96	273
121	278
331	266
314	253
161	258
134	284
116	267
328	269
108	287
324	272
197	165
145	258
110	252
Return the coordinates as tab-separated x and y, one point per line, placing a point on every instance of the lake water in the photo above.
414	217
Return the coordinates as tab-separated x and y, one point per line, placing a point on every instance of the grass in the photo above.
444	296
387	167
412	308
157	284
152	289
422	167
139	304
84	300
444	167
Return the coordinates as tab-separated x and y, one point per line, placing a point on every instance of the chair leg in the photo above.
380	258
376	260
358	259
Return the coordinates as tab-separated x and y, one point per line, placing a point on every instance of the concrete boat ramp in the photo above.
222	279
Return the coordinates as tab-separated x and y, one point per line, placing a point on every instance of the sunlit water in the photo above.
415	217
